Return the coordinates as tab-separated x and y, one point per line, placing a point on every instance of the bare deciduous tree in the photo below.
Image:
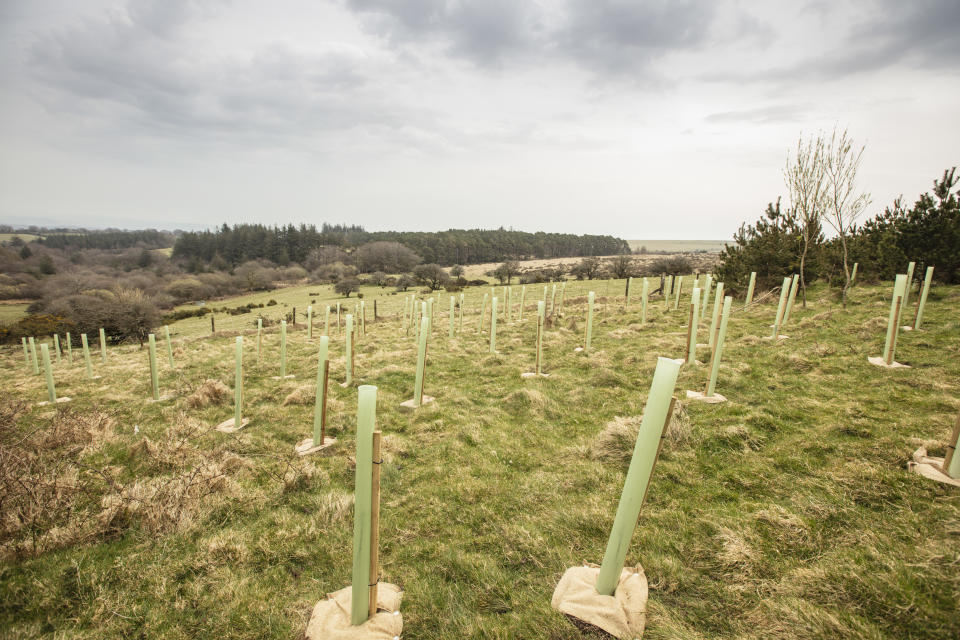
806	181
844	202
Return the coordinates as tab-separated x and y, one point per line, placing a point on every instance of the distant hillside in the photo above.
677	246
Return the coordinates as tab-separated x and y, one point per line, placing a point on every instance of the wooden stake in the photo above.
213	326
375	524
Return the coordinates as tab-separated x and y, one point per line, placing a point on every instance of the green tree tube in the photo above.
309	322
692	328
338	318
26	352
509	308
493	325
750	287
715	317
363	317
103	346
667	288
553	299
676	293
259	338
589	336
563	292
541	310
853	275
951	461
706	291
363	497
928	278
483	311
655	416
56	346
238	385
326	322
86	355
794	285
348	353
893	322
430	313
906	291
644	294
453	313
69	348
154	380
421	362
51	390
166	332
320	398
283	349
718	348
33	356
523	295
781	307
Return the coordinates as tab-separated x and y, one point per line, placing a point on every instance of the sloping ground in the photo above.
786	512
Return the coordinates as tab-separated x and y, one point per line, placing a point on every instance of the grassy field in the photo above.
10	313
677	246
785	512
26	237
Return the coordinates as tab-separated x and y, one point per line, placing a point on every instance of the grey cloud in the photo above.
603	36
762	115
136	69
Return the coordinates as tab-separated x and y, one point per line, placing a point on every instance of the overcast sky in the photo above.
646	120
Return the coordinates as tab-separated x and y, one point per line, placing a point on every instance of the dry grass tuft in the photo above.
304	394
617	440
209	393
525	400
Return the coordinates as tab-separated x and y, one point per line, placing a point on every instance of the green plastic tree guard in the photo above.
750	288
906	292
56	346
718	348
421	362
259	339
320	398
781	307
928	278
238	385
86	355
563	293
692	327
523	295
309	322
283	349
509	308
493	325
363	497
48	371
348	353
644	295
103	346
667	289
893	322
461	313
69	348
452	316
553	299
363	317
541	312
705	292
166	332
154	379
326	322
655	416
715	316
483	310
33	356
794	285
951	461
853	275
676	293
589	337
26	352
430	313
